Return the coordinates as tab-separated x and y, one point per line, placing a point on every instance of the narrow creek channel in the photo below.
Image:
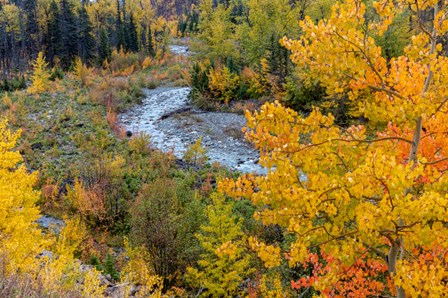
173	125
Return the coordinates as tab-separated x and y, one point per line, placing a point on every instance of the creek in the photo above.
166	115
173	125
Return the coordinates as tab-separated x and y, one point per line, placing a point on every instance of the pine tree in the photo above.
68	28
278	58
31	28
109	267
225	261
40	77
86	42
120	42
133	40
104	51
150	46
53	36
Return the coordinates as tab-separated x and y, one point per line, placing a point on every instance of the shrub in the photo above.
155	223
116	93
165	216
57	73
140	144
138	270
256	84
13	84
223	83
300	95
124	64
82	72
196	154
90	203
148	62
199	76
111	117
101	197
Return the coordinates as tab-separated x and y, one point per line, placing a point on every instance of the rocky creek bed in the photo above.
173	125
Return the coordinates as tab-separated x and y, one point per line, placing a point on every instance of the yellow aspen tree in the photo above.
40	77
20	239
10	17
352	192
268	19
143	14
99	12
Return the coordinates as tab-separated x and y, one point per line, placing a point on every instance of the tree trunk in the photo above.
398	244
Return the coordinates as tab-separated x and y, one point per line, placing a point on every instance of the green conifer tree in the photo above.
53	36
104	50
225	261
133	40
119	30
69	49
150	46
86	42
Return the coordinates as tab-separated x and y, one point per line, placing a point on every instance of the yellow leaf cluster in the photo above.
147	62
336	187
138	271
21	241
346	59
269	254
271	286
423	277
222	83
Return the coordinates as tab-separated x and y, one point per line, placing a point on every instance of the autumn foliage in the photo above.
363	278
21	240
41	76
345	190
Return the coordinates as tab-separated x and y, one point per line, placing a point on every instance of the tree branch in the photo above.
434	162
376	250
